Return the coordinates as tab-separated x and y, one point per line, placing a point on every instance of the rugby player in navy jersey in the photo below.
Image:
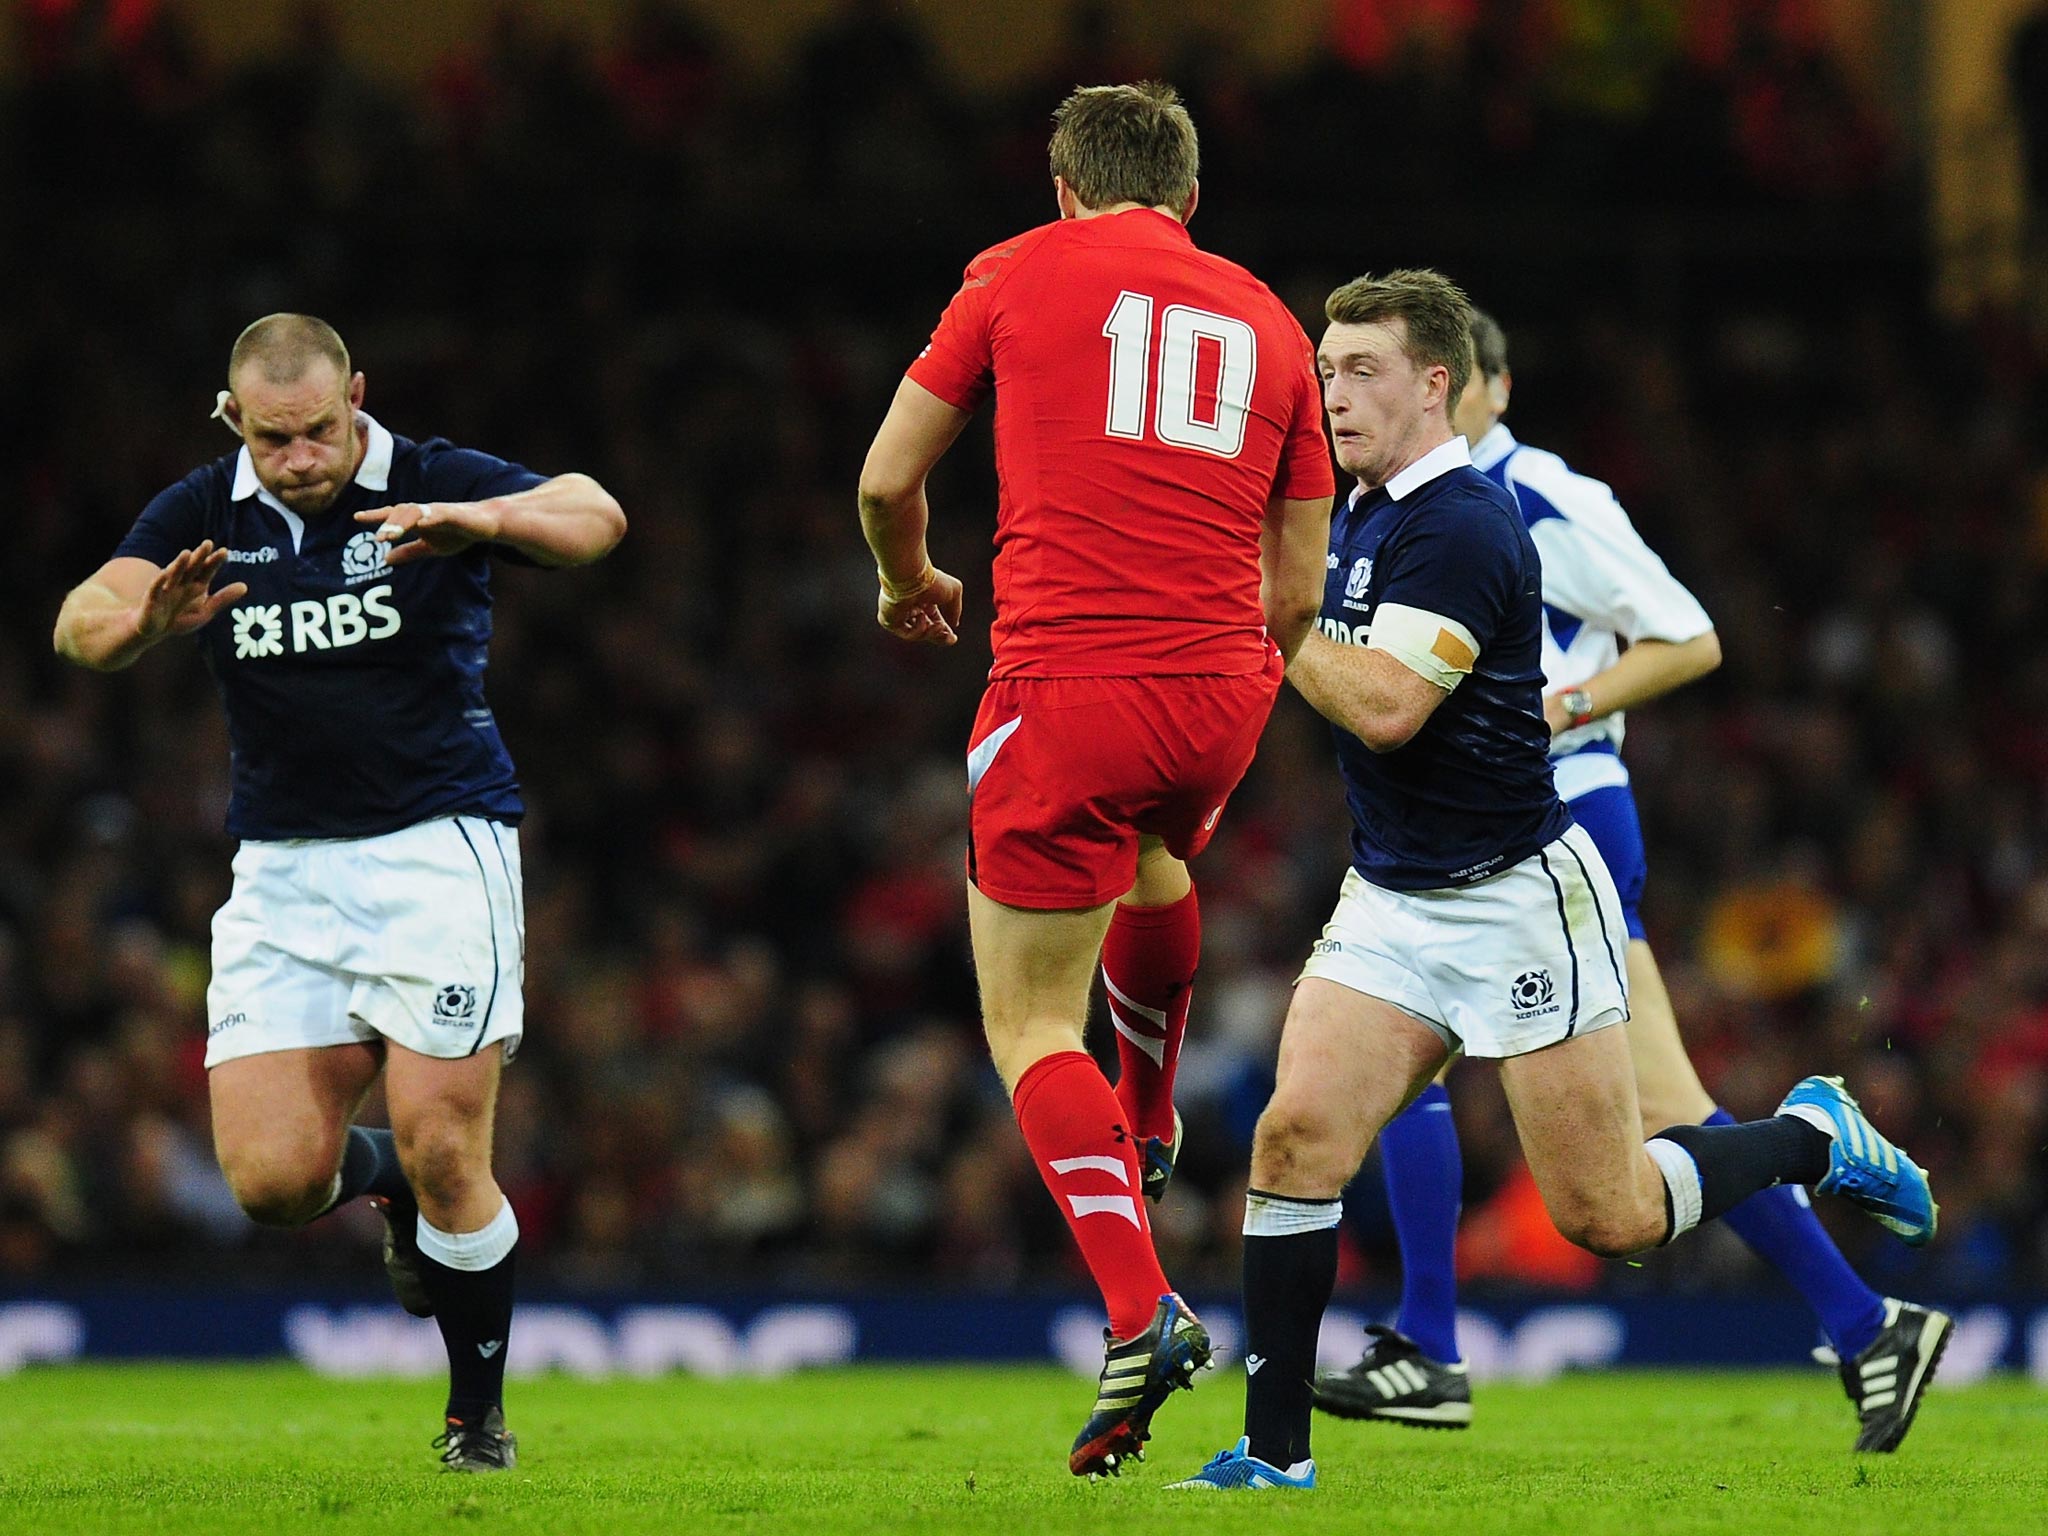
1476	916
376	920
1619	631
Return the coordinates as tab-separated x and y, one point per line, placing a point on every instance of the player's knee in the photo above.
273	1194
1607	1231
1017	1045
443	1160
1297	1144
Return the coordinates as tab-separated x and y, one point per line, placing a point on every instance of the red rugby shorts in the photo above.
1065	774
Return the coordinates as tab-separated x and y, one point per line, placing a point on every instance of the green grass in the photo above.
220	1450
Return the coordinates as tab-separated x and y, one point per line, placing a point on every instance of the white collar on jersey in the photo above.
373	474
1440	460
1496	445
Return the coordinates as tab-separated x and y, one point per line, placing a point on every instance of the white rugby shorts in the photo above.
417	936
1523	959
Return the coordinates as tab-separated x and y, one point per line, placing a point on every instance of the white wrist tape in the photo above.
1426	643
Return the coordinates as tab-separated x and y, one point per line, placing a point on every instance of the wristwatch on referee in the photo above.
1578	707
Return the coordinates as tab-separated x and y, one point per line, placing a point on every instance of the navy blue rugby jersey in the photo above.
1471	794
354	692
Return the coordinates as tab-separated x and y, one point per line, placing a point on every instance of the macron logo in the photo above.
490	1349
1252	1364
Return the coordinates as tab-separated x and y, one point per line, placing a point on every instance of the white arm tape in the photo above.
1426	643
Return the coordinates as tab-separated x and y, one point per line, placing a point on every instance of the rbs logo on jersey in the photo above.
344	619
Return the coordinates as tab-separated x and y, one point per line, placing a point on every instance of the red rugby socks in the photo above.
1148	964
1086	1155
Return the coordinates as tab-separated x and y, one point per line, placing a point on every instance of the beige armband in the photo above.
1426	643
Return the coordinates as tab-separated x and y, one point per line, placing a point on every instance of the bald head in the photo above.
293	402
283	347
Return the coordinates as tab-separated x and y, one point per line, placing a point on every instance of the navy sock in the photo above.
369	1166
1780	1225
1425	1185
1735	1161
1290	1268
474	1309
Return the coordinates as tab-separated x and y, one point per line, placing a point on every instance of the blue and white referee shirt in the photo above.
1601	585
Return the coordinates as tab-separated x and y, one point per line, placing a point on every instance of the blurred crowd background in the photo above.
753	1055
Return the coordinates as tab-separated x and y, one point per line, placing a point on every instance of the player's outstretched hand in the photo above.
177	601
416	530
928	613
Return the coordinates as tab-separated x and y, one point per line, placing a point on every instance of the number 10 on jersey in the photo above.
1202	385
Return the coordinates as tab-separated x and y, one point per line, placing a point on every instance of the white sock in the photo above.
1282	1216
481	1249
1682	1178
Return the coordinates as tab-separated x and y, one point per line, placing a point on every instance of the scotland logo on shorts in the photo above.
1534	993
455	1004
362	557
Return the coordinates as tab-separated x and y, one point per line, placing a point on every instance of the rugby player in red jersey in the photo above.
1159	553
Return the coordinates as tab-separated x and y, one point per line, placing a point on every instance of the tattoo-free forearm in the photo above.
569	520
1649	669
97	628
1292	545
894	527
1366	692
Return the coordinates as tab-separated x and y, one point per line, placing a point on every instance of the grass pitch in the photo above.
222	1450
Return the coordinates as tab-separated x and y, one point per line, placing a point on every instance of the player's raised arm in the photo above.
129	604
569	520
918	600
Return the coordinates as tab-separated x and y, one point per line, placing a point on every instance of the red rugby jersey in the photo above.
1150	399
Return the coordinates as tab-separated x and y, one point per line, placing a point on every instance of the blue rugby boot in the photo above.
1863	1167
1137	1376
1235	1469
